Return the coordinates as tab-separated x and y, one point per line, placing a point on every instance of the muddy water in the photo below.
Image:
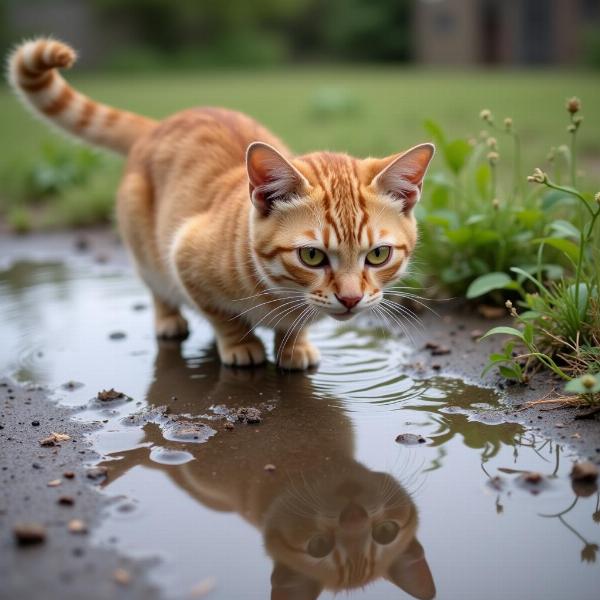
319	494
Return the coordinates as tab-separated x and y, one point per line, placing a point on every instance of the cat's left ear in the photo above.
402	178
410	572
272	177
287	584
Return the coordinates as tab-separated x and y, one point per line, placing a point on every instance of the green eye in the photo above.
378	256
320	545
385	532
312	257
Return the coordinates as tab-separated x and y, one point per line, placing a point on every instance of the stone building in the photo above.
504	32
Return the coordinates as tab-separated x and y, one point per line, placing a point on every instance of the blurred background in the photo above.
353	75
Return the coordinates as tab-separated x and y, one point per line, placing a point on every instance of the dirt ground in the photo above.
66	564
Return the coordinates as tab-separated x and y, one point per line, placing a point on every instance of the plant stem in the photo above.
573	157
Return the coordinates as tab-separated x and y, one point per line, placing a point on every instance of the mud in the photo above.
180	476
39	556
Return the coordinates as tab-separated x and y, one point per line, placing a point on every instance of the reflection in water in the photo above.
327	521
336	511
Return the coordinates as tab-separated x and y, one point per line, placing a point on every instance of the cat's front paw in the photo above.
243	354
299	357
171	327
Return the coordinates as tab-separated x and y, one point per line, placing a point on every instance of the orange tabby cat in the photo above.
218	214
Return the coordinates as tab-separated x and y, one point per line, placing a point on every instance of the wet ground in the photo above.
381	470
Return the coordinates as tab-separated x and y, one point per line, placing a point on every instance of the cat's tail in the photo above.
32	72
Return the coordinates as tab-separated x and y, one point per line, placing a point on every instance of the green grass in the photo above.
364	111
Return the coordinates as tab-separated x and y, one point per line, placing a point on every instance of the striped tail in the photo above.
32	72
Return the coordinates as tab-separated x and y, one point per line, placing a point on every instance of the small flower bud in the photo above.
493	158
508	304
496	204
492	143
597	197
588	381
578	120
573	105
508	123
572	128
486	115
538	176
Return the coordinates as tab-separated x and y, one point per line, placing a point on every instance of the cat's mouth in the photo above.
344	316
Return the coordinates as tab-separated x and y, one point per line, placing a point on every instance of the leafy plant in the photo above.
476	225
559	328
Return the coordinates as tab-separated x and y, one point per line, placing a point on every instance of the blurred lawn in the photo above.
363	111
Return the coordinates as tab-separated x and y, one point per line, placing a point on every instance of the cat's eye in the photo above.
312	257
378	256
385	532
320	545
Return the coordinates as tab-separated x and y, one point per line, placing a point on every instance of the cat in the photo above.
218	214
327	521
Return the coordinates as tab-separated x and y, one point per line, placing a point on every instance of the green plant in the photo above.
559	328
478	220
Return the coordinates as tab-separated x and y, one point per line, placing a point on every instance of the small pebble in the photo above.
77	526
584	471
35	423
269	468
54	483
28	534
122	576
66	500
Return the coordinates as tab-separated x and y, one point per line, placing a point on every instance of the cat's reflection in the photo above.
328	522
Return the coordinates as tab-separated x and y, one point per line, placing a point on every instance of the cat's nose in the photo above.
353	516
349	301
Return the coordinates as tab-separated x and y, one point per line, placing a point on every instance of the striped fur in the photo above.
32	72
215	210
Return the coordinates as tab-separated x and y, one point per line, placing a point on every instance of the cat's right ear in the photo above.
287	584
272	177
410	572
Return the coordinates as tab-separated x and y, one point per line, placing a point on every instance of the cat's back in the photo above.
203	142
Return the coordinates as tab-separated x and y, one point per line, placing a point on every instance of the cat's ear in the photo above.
287	584
401	178
272	177
410	572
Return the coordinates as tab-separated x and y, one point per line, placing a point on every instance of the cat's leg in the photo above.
293	351
136	224
237	347
169	324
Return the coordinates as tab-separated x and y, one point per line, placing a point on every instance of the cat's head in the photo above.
347	529
337	229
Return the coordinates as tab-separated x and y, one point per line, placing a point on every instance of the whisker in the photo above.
294	304
266	302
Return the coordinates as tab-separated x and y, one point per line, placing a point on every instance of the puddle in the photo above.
318	496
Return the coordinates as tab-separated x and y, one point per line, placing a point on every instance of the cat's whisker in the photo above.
379	318
398	322
285	313
415	299
413	318
289	332
266	302
294	305
311	311
268	291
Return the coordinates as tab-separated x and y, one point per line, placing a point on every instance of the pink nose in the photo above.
353	516
349	301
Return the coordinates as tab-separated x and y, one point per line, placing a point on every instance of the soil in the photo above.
45	550
45	547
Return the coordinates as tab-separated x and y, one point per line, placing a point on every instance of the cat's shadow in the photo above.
327	521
